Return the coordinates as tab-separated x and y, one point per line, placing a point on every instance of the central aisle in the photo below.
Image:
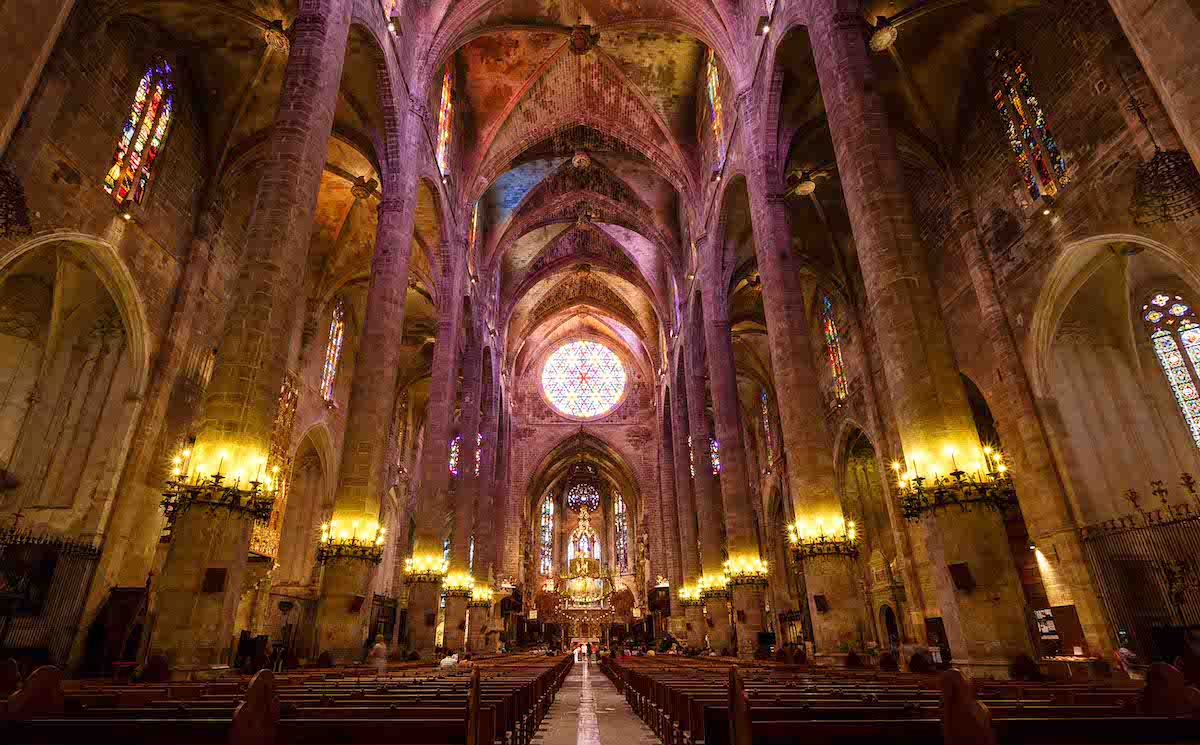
589	711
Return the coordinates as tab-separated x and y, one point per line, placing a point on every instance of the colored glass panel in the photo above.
583	379
1180	379
768	435
833	347
445	120
622	532
691	457
1036	154
716	110
547	537
142	136
583	496
333	350
455	452
1168	333
714	447
478	452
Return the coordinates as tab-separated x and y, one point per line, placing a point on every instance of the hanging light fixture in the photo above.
14	214
1167	187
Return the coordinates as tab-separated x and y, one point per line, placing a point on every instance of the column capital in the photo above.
391	203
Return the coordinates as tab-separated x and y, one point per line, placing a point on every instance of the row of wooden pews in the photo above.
500	701
715	701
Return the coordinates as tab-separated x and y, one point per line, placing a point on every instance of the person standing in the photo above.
379	655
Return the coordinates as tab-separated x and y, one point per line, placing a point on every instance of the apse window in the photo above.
142	136
1175	335
583	379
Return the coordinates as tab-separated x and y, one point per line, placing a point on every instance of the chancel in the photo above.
460	371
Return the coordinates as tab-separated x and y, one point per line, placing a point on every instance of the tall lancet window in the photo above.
1171	323
333	350
445	121
478	452
547	536
1035	152
620	520
768	436
833	346
716	109
142	136
455	455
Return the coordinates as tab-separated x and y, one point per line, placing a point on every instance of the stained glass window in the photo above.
478	452
333	350
142	136
691	458
833	346
455	452
583	496
474	228
547	537
716	111
1038	159
471	554
445	121
1176	339
768	436
583	379
714	449
622	531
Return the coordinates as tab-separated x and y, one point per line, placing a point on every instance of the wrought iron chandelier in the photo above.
187	487
14	214
989	486
360	542
1166	187
838	539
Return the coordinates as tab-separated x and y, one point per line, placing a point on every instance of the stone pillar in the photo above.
716	622
986	627
345	605
363	477
200	588
1044	503
433	498
695	628
685	501
454	634
1163	33
423	599
739	509
749	615
667	520
708	499
479	618
487	502
29	29
261	329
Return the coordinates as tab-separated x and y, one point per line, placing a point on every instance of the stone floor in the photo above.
589	711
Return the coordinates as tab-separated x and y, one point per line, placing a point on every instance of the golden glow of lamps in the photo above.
426	568
355	539
458	585
835	536
689	596
241	482
713	586
745	570
927	485
481	596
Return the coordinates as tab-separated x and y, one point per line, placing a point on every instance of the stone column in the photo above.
1044	503
433	497
986	627
483	636
346	588
668	520
1163	33
747	594
29	30
805	440
256	349
685	511
466	493
708	499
